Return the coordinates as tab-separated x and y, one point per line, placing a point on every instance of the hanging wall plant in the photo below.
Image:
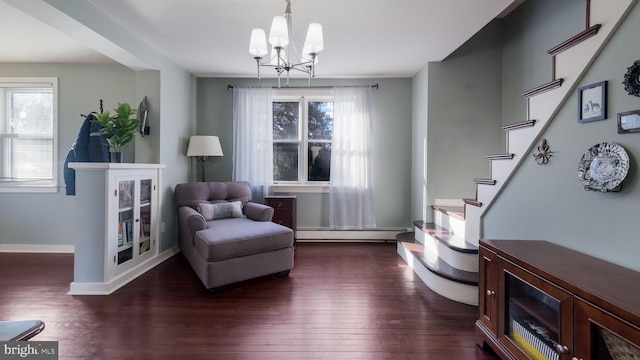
632	79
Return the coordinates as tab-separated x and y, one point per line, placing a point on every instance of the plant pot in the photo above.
116	157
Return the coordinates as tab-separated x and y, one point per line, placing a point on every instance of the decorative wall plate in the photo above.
603	167
632	79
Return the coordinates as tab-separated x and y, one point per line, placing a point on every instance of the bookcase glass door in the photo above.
126	220
533	320
145	216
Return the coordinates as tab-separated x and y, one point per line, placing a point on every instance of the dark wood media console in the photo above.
539	300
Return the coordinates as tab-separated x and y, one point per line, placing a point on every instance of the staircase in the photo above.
570	60
444	253
440	257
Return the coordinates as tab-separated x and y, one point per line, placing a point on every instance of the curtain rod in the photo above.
374	86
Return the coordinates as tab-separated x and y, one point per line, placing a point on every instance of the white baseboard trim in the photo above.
350	235
37	248
123	279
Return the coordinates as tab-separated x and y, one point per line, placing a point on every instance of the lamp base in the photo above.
202	159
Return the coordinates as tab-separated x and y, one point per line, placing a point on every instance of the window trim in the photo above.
35	82
300	188
302	96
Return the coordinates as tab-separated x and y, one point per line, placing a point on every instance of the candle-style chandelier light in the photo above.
284	56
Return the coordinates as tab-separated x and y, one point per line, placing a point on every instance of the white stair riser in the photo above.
467	294
501	169
486	193
518	140
472	218
453	224
419	235
543	106
434	249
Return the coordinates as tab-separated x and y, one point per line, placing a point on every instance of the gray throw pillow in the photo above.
223	210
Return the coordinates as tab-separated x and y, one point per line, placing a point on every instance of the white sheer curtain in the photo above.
351	190
253	138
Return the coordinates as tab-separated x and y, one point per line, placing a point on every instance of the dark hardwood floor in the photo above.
341	301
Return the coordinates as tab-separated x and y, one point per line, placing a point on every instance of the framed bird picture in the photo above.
592	102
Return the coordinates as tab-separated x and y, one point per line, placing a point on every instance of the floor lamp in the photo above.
203	148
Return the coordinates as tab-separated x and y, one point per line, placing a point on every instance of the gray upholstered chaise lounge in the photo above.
230	249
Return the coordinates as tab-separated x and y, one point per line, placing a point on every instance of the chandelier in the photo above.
284	56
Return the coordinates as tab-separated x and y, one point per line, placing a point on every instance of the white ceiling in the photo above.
23	38
363	38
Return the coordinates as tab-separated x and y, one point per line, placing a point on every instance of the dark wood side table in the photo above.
284	210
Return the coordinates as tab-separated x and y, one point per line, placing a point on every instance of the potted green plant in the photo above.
119	129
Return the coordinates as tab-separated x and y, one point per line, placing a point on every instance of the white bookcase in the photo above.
118	233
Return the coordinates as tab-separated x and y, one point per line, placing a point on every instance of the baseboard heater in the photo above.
327	235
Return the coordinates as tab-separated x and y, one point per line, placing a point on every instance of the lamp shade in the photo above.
279	34
314	42
258	43
201	145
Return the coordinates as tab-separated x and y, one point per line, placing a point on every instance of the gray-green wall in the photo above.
176	107
148	84
540	202
464	115
172	92
548	202
456	121
392	146
47	218
529	32
419	121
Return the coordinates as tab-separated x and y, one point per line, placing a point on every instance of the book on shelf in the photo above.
534	339
120	237
129	231
145	223
125	232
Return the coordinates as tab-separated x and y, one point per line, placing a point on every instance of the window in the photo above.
302	135
28	134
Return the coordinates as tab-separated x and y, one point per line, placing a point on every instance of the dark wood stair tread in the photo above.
500	156
575	40
519	125
484	181
543	88
436	266
472	202
451	210
444	236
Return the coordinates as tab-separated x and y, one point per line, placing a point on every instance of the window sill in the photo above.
28	189
299	188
